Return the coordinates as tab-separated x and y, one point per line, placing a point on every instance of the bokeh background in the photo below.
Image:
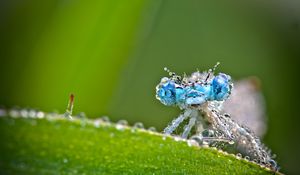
111	55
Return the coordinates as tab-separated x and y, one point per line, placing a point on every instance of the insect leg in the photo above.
175	123
188	127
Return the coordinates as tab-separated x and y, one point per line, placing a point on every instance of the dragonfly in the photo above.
200	97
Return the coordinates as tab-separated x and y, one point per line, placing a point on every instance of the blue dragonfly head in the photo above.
193	90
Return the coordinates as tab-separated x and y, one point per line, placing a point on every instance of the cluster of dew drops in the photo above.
30	113
121	125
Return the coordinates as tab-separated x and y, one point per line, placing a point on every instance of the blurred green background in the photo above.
111	55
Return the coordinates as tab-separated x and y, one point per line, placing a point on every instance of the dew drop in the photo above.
176	138
24	113
97	122
14	113
273	163
40	114
105	119
197	139
239	155
138	125
152	129
122	122
192	142
247	157
121	125
32	113
81	115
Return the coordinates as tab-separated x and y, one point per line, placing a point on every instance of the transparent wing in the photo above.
246	105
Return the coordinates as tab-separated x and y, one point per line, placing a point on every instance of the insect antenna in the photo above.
173	75
211	71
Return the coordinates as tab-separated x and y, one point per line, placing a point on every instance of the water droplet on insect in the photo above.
227	115
208	133
214	144
164	79
152	129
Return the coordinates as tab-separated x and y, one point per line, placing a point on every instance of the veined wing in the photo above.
246	105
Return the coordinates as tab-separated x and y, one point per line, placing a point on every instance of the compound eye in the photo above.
221	79
221	85
166	93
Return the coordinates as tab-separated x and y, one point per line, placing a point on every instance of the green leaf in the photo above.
54	145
